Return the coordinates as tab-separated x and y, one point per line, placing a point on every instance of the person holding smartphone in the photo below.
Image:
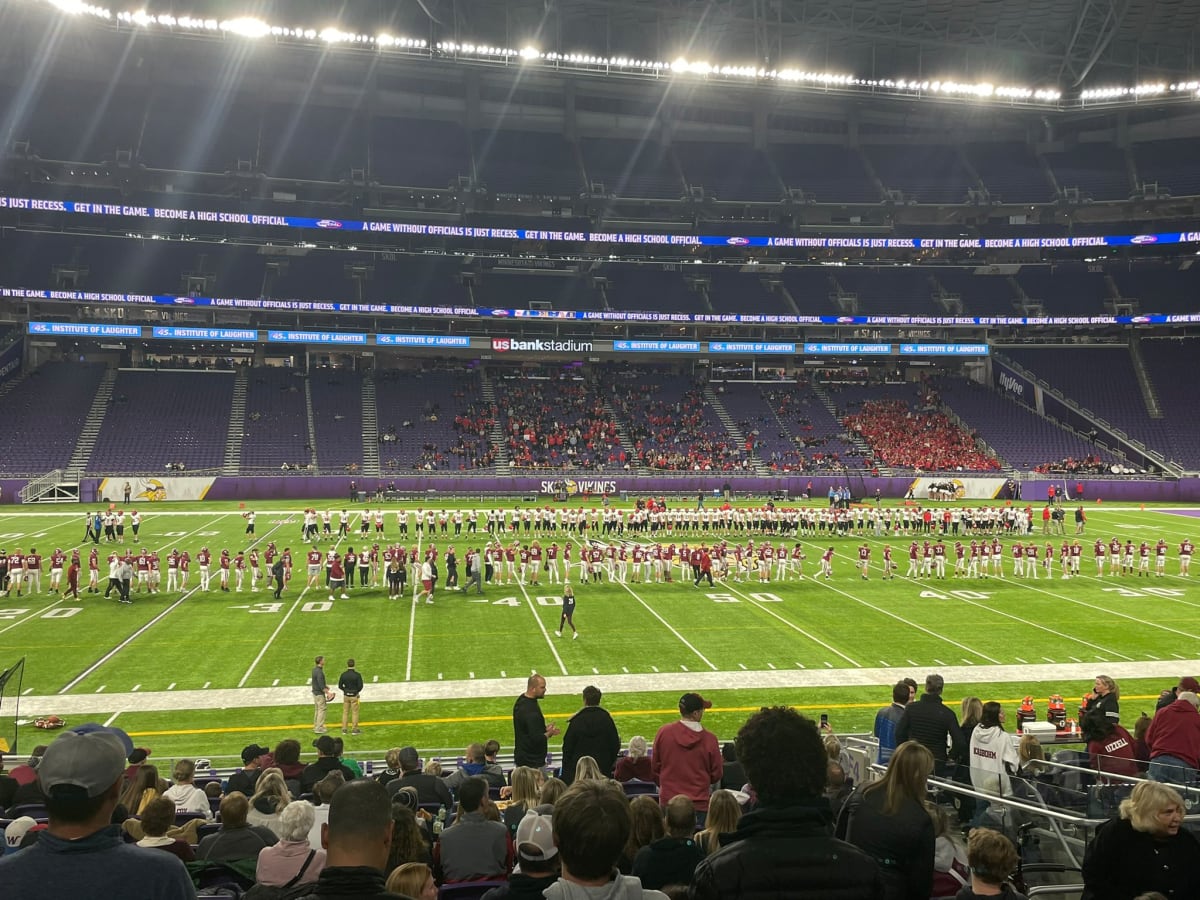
568	613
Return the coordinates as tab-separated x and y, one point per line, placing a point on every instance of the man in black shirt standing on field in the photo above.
350	683
930	722
531	732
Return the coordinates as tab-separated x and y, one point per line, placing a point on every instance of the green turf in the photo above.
214	641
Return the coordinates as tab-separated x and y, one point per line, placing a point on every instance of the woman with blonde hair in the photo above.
888	820
1104	698
587	768
526	791
552	789
141	790
723	814
1145	850
184	794
271	797
413	880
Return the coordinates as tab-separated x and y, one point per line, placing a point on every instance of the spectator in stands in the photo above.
786	839
591	828
672	859
687	759
184	794
474	846
734	776
888	821
81	854
410	842
413	880
473	763
887	719
635	764
323	792
1111	749
1145	850
254	760
287	760
552	789
141	790
1174	741
530	728
292	860
931	723
647	826
271	797
1104	697
237	839
538	859
392	771
356	840
157	817
590	732
524	795
993	758
430	788
724	813
992	860
327	761
490	751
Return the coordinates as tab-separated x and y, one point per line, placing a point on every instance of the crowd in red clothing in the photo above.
923	439
559	423
677	435
1089	465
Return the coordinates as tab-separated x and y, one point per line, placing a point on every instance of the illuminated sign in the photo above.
316	337
752	348
656	346
422	340
79	329
943	349
852	349
205	334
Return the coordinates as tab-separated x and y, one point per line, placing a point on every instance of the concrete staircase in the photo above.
1149	394
623	438
91	426
370	428
487	390
237	423
713	399
312	426
857	442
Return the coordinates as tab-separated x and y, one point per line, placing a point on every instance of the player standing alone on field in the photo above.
568	613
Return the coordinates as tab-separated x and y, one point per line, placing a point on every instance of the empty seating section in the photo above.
103	123
517	290
1099	172
1066	289
894	291
671	425
291	134
524	162
1171	364
827	173
926	174
557	420
45	413
419	152
433	420
651	287
420	281
1160	288
276	431
1102	380
1020	437
982	294
1011	172
744	292
905	428
212	134
1169	164
631	168
165	416
728	171
788	426
337	417
317	276
810	288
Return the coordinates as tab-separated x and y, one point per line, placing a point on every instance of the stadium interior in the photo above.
686	245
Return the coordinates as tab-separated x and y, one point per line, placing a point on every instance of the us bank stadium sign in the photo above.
538	345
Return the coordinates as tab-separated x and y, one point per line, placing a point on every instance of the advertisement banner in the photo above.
1017	387
573	487
944	487
154	490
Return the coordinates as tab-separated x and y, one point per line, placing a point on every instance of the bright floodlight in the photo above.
246	27
530	53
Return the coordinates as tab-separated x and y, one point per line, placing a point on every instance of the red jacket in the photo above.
686	761
1115	754
1175	731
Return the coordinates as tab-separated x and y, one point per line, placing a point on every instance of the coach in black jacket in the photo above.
590	732
932	723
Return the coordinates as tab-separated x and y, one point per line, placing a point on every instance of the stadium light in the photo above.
79	8
247	27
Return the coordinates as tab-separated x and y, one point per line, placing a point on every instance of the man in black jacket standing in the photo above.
930	722
785	846
350	683
531	732
590	732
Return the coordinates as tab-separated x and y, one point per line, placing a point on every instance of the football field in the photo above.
207	671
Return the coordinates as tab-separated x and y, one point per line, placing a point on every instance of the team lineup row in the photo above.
525	563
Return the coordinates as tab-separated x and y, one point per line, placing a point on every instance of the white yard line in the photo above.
816	640
542	627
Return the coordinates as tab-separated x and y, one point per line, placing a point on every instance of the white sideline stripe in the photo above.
125	643
112	718
793	625
542	627
704	659
274	634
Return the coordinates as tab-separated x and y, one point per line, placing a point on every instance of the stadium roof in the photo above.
1042	43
